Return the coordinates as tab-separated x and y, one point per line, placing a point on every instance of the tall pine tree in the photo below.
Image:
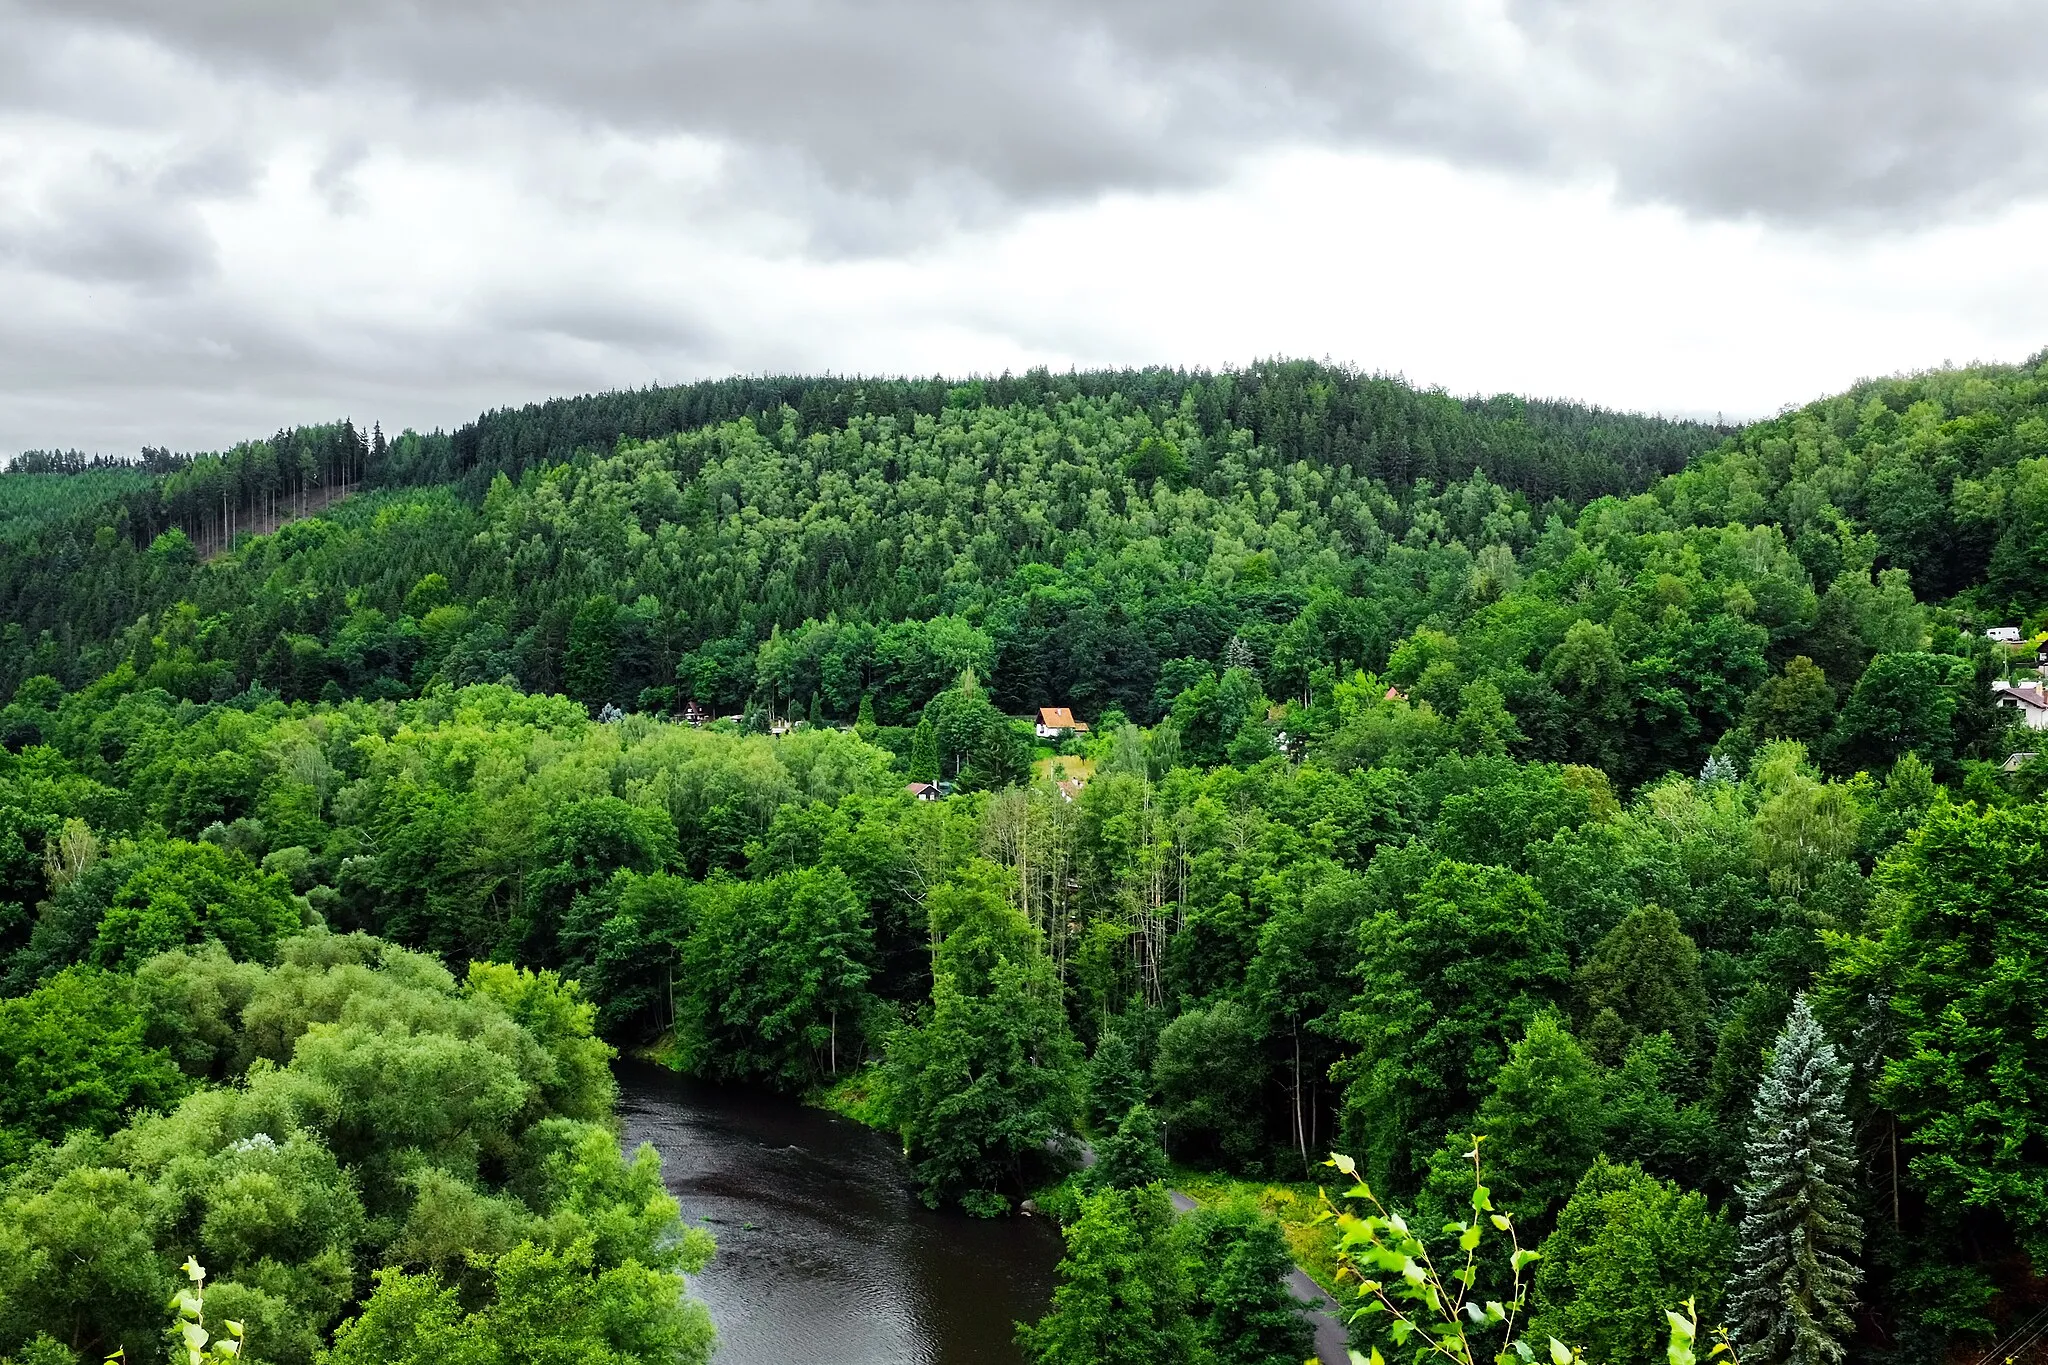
924	752
1796	1276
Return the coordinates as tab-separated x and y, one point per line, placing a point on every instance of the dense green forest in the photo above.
1629	792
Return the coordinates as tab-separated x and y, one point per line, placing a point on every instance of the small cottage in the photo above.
1057	722
923	791
694	713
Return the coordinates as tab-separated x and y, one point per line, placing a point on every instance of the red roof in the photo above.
1056	718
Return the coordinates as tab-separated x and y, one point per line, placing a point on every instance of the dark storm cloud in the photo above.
1805	112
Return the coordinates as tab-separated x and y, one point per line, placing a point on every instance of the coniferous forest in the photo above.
1658	801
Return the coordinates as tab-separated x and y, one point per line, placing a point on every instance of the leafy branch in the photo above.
200	1347
1393	1273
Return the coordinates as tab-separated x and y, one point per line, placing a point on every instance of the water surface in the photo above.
825	1254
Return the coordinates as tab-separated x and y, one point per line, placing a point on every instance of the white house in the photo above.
2004	635
1054	722
2030	699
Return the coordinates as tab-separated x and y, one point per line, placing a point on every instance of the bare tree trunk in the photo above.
1300	1133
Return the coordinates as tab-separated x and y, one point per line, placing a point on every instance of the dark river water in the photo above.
825	1254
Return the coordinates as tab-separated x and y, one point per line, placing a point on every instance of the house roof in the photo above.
2026	694
1057	718
2013	762
1395	694
920	788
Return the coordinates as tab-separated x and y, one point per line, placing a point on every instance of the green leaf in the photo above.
1524	1258
1482	1199
1469	1241
1499	1222
1560	1354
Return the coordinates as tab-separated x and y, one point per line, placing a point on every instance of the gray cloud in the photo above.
111	223
207	209
1857	112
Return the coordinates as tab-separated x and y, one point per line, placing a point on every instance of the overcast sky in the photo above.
218	217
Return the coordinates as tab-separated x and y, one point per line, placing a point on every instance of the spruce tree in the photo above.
864	723
1796	1277
924	752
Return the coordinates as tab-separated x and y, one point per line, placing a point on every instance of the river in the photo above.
824	1253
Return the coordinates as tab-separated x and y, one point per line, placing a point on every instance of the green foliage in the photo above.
545	1305
1115	1079
382	1115
767	975
1206	1073
1642	978
1386	1270
991	1075
1454	966
73	1056
1244	1313
184	893
1961	965
1125	1289
1544	1120
1130	1155
1627	1246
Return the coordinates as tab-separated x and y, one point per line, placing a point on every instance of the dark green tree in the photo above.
1207	1073
1642	978
1125	1291
1964	966
1543	1122
924	752
1244	1312
1627	1248
587	661
1450	972
1131	1155
992	1074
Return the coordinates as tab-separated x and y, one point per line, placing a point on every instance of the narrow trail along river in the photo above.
824	1253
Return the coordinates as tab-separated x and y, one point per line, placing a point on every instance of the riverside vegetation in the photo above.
1630	793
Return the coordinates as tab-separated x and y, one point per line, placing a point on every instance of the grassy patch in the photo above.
1295	1204
857	1096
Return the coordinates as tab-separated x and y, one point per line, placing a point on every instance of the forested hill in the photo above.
1321	441
1636	795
